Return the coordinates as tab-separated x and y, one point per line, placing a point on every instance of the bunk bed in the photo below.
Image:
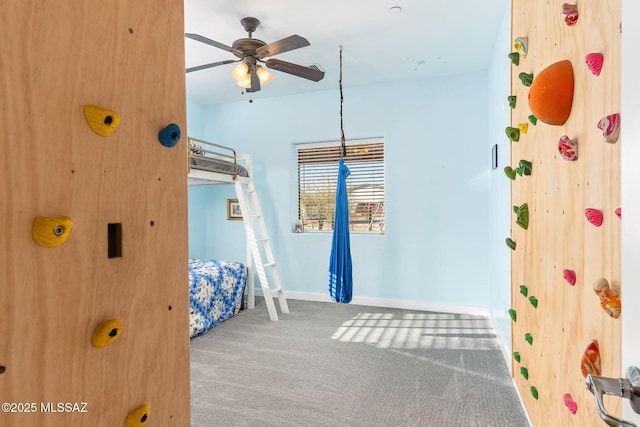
210	163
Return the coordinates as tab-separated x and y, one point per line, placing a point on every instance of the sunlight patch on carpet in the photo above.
419	331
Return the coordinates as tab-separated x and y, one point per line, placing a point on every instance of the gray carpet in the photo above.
334	365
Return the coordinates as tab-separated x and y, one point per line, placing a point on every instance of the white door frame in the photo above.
630	140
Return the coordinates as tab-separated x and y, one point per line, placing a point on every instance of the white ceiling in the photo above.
427	38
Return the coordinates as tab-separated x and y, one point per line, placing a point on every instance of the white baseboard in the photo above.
390	303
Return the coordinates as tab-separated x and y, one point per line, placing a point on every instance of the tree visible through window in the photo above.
317	180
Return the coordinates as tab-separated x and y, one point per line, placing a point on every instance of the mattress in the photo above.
218	165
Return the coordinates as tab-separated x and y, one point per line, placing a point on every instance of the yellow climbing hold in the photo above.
106	333
101	120
51	231
524	127
138	417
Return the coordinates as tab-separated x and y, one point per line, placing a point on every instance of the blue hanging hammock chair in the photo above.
340	277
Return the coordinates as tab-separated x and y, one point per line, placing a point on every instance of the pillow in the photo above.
196	148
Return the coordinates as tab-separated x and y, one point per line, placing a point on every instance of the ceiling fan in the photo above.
252	52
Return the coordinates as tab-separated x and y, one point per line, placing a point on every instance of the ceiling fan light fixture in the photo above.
245	82
264	75
240	71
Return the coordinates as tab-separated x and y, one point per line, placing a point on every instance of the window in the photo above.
317	181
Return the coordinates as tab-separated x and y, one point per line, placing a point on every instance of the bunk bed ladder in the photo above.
258	244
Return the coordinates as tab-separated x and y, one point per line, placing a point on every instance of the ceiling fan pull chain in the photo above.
343	151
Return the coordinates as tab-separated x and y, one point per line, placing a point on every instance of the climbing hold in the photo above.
526	167
510	172
590	360
516	356
138	417
524	290
568	148
513	133
512	100
51	231
526	78
594	216
528	338
551	94
520	45
522	215
515	58
106	333
569	276
570	12
534	301
534	392
101	120
567	398
170	135
619	213
594	62
511	244
525	372
533	119
610	127
512	314
609	298
524	127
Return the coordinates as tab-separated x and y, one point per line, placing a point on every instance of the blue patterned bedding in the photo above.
215	292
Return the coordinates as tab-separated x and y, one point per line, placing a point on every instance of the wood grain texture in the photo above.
126	56
558	191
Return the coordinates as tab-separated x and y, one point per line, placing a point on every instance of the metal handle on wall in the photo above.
628	388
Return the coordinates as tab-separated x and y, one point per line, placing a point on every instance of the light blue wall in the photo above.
439	238
197	215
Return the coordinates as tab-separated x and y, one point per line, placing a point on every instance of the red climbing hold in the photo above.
594	216
570	276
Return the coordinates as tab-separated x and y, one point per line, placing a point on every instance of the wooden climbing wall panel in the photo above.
126	256
557	192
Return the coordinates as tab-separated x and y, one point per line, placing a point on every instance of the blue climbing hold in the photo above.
170	135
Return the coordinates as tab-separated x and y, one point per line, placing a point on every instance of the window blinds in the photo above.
317	180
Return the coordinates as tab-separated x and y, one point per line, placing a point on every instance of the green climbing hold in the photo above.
526	167
522	215
529	338
524	290
516	356
515	58
511	244
510	172
525	372
512	101
526	79
534	301
519	170
513	133
534	392
512	314
533	119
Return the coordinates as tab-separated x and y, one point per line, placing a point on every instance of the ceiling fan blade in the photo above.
255	81
280	46
295	69
213	64
213	43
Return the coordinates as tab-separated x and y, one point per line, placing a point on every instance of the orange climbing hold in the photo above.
551	93
609	298
590	360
